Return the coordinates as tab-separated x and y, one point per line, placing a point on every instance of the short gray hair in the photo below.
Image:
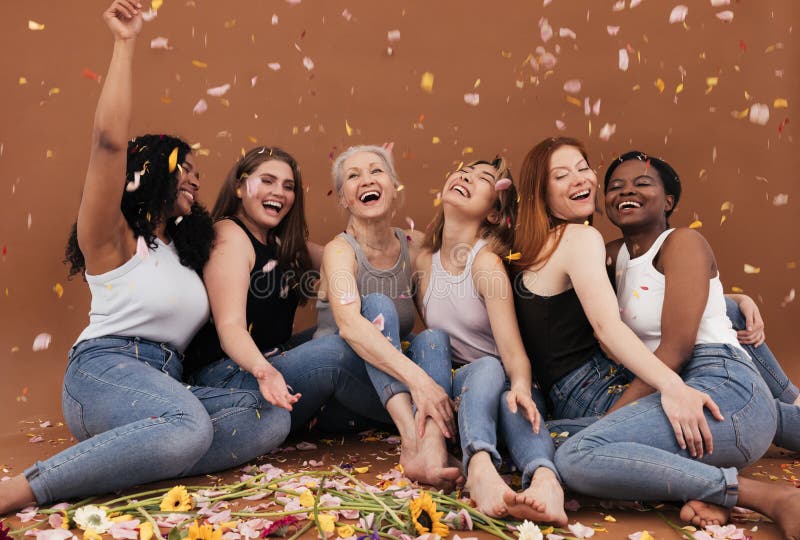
338	165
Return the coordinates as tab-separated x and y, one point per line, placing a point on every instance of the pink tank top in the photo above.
452	304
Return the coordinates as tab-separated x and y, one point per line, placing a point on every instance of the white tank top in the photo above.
154	298
452	304
640	293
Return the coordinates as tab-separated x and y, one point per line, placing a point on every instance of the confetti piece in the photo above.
780	199
379	322
58	288
54	91
573	86
41	342
696	224
274	66
759	114
607	131
141	248
89	74
678	14
610	518
308	63
33	25
219	91
725	16
780	103
502	184
269	266
426	83
623	60
199	64
750	269
472	99
200	107
160	43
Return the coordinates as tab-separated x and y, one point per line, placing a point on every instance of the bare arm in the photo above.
371	345
583	259
492	283
753	333
102	230
227	280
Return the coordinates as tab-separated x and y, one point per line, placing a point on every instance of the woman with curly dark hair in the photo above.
141	244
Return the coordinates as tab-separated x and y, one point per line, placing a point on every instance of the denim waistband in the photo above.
122	341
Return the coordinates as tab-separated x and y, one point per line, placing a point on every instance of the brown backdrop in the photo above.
470	47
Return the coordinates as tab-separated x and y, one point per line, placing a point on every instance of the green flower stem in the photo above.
152	521
379	501
301	532
494	531
677	529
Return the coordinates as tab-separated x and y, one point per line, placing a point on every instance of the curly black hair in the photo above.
146	205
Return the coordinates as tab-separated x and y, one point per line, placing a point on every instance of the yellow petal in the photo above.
727	206
513	256
575	101
198	63
123	517
737	290
679	88
696	224
173	159
91	534
22	80
660	84
361	470
610	519
347	128
145	531
58	289
780	103
435	140
307	499
345	531
750	269
646	536
33	25
712	81
327	522
427	82
156	4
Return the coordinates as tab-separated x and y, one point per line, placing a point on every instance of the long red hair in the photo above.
534	221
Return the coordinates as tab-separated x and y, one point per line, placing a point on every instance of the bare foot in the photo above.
780	503
426	461
702	514
15	494
542	501
486	488
787	515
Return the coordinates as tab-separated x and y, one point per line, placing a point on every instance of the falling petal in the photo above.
58	288
472	99
274	66
750	269
269	266
580	530
560	125
379	322
566	33
173	159
573	86
33	25
607	131
426	83
393	35
200	107
696	224
788	298
726	16
308	63
545	30
759	114
410	223
612	30
219	91
160	43
149	15
780	199
780	103
623	60
502	184
678	14
41	342
141	248
720	3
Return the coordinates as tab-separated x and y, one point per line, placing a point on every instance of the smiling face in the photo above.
471	190
368	190
267	194
188	186
635	195
571	185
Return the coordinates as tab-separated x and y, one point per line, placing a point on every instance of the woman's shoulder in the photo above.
581	236
683	240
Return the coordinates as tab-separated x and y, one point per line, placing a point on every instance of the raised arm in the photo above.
102	230
371	345
227	280
584	262
492	283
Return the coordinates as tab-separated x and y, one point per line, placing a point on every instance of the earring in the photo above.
239	192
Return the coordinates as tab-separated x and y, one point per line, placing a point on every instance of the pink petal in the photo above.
36	439
572	505
726	16
623	60
270	266
580	530
393	35
308	63
560	125
219	91
472	99
274	19
379	321
678	14
596	108
720	3
410	222
607	131
566	33
759	114
502	184
545	30
572	86
612	30
55	520
160	43
199	108
253	81
41	342
274	66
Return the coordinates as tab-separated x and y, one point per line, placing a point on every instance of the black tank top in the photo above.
271	305
557	335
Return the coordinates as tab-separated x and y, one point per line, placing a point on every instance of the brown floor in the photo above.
17	451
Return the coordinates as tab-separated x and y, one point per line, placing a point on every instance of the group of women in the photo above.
189	365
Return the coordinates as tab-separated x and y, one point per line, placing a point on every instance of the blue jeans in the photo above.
137	422
784	392
327	368
632	453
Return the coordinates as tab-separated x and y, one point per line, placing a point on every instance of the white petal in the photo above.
219	91
759	114
678	14
623	60
200	107
572	86
726	15
160	43
472	99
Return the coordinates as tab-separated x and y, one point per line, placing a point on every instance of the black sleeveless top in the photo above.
555	331
271	305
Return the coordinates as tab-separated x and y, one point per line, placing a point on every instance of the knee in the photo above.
189	439
435	339
734	314
567	461
489	371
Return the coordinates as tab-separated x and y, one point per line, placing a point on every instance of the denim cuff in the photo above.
530	468
789	394
474	447
38	487
391	390
731	493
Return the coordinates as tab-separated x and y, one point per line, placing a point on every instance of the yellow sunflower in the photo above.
425	517
177	500
204	532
